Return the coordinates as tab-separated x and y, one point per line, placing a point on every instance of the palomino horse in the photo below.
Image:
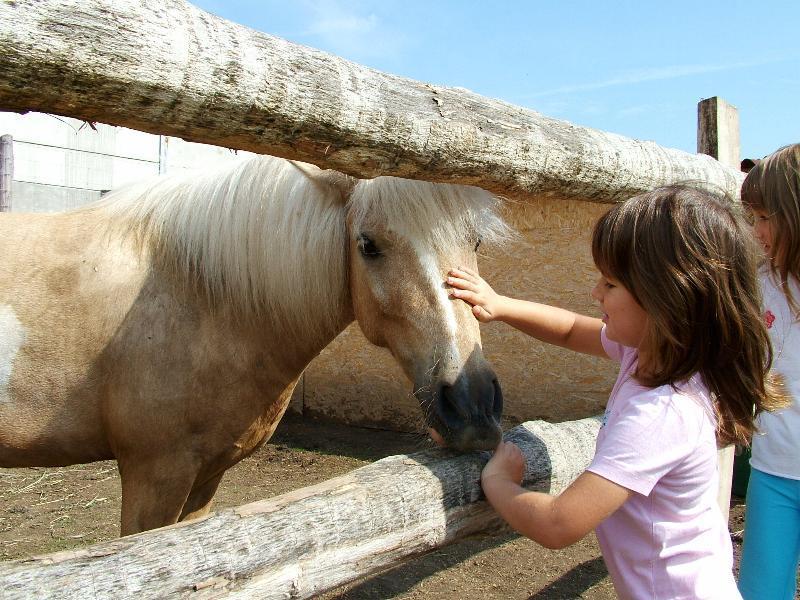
166	325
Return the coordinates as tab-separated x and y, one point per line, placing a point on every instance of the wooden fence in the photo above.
311	540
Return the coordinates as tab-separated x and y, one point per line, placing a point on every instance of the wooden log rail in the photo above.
169	68
305	542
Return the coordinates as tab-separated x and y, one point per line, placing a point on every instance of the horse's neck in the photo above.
276	339
299	343
276	256
315	304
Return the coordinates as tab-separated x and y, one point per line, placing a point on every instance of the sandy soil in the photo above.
44	510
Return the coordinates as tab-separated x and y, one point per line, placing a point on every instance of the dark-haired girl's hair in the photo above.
691	263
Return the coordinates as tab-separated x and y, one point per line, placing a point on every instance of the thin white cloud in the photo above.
343	25
652	74
348	30
640	109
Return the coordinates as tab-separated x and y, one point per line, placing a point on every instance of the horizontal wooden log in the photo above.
299	544
170	68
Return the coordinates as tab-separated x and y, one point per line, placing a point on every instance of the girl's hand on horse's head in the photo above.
471	288
507	463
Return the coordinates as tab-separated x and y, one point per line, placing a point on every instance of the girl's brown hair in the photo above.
773	186
690	262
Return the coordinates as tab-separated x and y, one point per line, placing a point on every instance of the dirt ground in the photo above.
45	510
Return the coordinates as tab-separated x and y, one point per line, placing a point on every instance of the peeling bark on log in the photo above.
311	540
170	68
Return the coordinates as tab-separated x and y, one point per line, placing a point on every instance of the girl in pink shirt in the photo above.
681	314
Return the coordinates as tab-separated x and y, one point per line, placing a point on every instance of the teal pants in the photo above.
768	569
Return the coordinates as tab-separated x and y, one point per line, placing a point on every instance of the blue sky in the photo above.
637	68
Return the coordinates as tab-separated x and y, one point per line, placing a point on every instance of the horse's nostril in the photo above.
467	411
451	406
470	402
497	404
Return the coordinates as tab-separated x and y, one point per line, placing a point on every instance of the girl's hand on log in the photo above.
471	288
506	465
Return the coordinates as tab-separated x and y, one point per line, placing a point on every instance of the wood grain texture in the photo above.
170	68
299	544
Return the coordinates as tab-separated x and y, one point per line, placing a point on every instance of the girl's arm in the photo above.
547	323
552	521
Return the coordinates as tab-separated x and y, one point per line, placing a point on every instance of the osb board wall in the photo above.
354	382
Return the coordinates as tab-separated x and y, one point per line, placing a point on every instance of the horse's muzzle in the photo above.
466	413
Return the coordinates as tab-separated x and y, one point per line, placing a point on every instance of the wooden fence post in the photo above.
718	136
718	131
6	171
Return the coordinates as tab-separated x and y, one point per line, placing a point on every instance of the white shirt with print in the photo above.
776	445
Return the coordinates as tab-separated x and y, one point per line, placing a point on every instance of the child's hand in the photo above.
507	464
436	438
471	288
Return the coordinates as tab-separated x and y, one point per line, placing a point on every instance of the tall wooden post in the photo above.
6	171
718	131
718	136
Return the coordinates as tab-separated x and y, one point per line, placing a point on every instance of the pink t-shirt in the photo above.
669	539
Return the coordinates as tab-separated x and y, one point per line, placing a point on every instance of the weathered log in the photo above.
170	68
304	542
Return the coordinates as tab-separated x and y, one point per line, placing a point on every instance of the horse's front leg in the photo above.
154	491
198	504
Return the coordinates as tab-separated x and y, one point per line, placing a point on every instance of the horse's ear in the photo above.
344	184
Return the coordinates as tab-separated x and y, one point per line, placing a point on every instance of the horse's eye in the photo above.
367	247
477	244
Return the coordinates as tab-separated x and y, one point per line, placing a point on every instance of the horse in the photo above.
166	325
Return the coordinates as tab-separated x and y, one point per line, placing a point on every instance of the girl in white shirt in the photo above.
771	194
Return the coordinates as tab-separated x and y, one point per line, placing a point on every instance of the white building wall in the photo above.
61	163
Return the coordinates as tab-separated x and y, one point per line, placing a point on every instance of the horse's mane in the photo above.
268	236
439	215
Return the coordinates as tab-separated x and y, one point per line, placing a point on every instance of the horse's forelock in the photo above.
442	215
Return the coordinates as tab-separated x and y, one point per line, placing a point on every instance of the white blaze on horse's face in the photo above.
401	302
12	337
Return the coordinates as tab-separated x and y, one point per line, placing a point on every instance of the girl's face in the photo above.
625	319
764	231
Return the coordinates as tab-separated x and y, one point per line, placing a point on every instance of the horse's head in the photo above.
404	237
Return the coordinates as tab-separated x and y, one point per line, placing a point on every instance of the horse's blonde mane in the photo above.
266	236
269	236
